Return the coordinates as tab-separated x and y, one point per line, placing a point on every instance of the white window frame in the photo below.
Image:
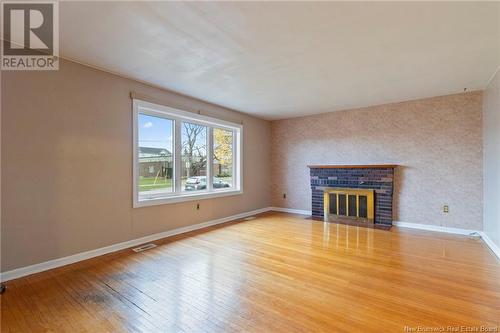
179	116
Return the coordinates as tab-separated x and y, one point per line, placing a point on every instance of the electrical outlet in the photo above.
197	206
284	195
446	209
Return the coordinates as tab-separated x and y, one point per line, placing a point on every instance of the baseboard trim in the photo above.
290	210
457	231
489	243
55	263
493	247
437	228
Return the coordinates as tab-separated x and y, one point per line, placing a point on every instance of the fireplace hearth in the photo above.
353	194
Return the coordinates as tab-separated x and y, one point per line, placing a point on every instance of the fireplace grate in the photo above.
349	203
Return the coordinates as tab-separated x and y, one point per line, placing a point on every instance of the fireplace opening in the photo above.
353	204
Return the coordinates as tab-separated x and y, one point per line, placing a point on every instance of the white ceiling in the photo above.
284	59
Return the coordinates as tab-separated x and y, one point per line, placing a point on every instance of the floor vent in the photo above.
250	218
144	247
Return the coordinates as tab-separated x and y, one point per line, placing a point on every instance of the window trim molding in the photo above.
153	109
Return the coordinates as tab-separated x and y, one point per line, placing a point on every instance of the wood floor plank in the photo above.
276	273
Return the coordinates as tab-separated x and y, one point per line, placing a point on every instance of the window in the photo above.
154	156
181	156
222	158
194	157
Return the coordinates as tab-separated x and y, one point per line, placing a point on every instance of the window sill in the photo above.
185	197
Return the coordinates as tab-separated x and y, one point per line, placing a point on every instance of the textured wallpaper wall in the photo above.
437	142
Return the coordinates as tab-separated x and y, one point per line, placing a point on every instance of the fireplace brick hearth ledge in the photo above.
378	177
359	166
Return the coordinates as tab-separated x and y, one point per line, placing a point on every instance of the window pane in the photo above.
155	168
223	159
194	157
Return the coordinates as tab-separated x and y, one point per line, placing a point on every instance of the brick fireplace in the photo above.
379	179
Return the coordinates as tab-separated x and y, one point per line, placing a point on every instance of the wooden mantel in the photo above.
363	166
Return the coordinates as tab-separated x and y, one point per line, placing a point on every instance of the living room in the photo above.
250	166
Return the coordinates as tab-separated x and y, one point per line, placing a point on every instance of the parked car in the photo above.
219	183
200	183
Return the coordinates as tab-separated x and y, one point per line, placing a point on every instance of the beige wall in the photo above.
437	142
66	151
67	165
492	160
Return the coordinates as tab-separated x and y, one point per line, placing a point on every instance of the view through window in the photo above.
155	155
223	158
181	155
194	157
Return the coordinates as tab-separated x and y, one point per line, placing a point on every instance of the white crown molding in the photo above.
492	77
55	263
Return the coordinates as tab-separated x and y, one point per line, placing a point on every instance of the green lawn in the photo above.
148	183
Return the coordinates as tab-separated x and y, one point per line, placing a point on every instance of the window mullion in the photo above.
236	174
177	156
210	158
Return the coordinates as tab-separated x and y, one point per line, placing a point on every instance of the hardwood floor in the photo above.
277	273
